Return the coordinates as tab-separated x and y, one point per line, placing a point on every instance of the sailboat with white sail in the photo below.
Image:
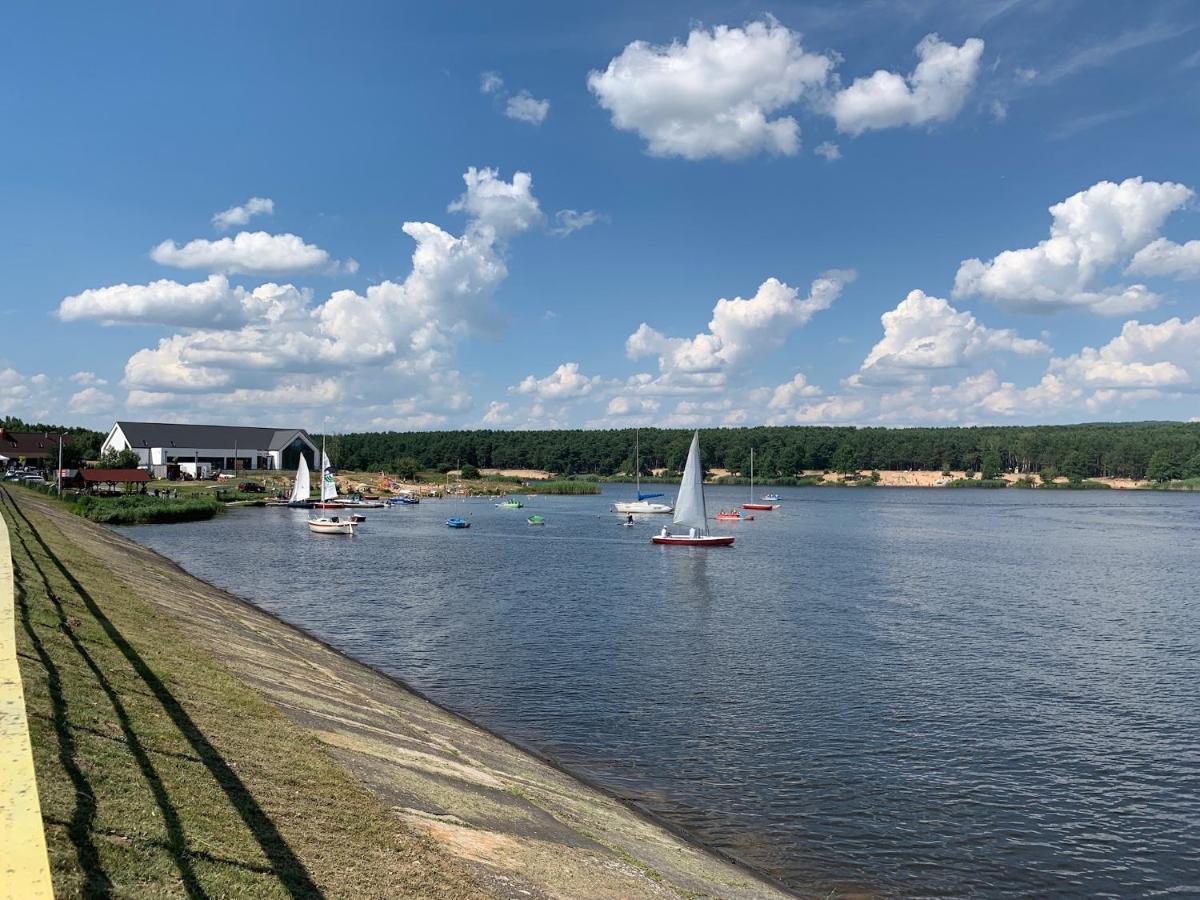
301	488
642	504
326	524
690	511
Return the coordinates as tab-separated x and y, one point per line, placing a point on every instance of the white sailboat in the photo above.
302	486
642	504
327	524
690	511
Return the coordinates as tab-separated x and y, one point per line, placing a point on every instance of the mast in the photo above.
637	460
751	474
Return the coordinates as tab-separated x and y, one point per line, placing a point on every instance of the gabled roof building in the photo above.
161	443
30	446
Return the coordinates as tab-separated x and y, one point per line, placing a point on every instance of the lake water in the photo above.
930	692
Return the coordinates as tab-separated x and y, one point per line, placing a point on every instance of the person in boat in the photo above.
663	533
691	532
629	519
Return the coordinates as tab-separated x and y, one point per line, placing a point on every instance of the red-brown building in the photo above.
31	446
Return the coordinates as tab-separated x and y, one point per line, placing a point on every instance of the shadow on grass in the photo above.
284	864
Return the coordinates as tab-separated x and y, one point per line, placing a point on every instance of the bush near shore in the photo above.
977	483
563	486
140	509
1084	485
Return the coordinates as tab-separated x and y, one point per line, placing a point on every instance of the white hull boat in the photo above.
335	525
642	506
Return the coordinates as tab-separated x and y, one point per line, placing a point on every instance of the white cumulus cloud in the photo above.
240	215
740	329
924	333
524	107
91	400
934	91
212	303
564	383
248	253
1164	257
714	95
1090	233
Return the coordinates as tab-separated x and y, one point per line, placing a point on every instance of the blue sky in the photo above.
592	185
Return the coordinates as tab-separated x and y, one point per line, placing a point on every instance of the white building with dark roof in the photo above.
161	444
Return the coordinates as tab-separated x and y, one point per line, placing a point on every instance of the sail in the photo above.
328	486
689	505
301	488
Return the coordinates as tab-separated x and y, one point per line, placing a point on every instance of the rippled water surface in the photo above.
899	691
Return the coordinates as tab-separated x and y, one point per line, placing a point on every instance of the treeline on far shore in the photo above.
1155	451
1138	450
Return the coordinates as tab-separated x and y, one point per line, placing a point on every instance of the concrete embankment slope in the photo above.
485	816
24	867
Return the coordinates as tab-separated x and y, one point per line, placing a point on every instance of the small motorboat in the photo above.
331	525
404	499
765	506
510	504
536	520
457	523
771	498
357	518
730	515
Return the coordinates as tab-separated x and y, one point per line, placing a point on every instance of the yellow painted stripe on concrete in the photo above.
24	867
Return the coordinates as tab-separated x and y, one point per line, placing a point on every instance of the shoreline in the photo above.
506	809
649	816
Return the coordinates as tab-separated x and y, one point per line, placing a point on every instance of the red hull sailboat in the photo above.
689	508
752	505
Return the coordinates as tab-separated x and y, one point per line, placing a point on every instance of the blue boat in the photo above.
403	501
457	523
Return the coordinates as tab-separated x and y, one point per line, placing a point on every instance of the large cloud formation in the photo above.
714	95
1091	232
385	355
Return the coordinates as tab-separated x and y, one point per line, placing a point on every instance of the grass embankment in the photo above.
161	774
140	509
